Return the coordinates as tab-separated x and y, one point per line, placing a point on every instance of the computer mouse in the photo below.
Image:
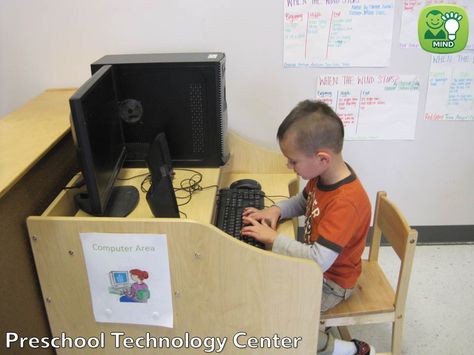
246	184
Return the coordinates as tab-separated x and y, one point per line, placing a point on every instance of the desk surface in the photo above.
199	207
27	134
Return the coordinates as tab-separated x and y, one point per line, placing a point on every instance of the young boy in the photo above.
335	205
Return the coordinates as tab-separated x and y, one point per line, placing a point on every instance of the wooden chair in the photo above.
374	300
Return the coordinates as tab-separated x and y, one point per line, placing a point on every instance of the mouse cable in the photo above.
80	182
133	177
273	196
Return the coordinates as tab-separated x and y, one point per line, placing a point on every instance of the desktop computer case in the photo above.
181	94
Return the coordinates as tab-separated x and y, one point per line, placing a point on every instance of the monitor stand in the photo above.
122	202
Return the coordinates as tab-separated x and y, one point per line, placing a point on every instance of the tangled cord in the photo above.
187	186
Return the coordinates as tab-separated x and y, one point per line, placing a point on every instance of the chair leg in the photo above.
397	332
344	332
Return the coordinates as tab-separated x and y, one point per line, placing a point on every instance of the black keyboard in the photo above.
230	205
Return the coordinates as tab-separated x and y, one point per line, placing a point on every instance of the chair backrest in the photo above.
392	224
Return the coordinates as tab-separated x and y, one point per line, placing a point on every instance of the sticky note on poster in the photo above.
129	278
372	106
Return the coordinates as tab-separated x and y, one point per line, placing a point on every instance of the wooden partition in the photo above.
34	142
220	286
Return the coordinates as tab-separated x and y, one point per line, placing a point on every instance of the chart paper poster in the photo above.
451	87
129	278
411	10
372	106
337	33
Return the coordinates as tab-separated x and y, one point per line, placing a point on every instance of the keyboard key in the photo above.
230	206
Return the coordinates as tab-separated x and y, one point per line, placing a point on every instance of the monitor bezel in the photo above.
98	198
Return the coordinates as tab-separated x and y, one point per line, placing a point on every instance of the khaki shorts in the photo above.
333	294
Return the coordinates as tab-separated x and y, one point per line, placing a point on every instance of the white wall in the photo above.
51	43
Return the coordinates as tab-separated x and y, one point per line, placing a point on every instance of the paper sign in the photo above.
451	87
337	33
129	278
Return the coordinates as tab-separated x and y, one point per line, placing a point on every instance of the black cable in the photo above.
282	196
272	201
147	179
80	183
268	198
133	177
188	185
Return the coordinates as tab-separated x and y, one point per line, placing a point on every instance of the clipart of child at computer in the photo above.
335	205
136	292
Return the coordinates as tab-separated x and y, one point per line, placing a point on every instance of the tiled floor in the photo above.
440	306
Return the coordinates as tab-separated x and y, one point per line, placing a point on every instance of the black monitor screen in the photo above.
99	139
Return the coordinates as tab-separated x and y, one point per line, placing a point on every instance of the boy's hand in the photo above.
270	214
261	231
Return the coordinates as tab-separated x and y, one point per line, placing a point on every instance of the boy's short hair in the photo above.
316	125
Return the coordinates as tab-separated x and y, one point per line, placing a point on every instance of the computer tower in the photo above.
180	94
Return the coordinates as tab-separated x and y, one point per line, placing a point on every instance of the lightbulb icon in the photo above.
451	24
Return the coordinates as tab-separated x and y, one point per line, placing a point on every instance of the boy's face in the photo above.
306	166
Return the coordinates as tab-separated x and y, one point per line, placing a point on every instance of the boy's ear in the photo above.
323	156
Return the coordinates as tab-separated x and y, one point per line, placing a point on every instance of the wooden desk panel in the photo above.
34	141
220	287
22	309
28	133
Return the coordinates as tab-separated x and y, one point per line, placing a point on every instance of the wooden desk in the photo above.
200	207
34	141
220	286
30	132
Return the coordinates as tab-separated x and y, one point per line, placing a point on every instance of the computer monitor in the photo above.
119	278
99	140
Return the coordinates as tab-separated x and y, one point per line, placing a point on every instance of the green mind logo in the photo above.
443	28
